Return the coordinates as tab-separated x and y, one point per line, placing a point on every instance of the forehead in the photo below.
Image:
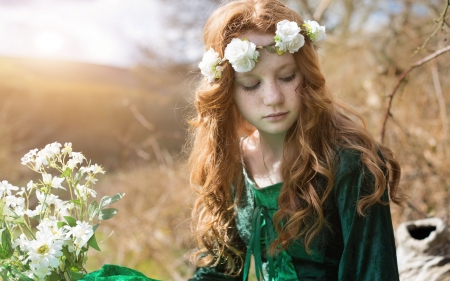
259	39
267	62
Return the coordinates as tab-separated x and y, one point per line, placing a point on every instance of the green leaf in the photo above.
106	214
107	200
53	277
76	202
93	243
60	224
23	278
68	255
78	176
75	276
19	220
93	209
66	173
6	248
71	221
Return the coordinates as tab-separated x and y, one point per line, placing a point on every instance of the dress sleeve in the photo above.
213	274
369	246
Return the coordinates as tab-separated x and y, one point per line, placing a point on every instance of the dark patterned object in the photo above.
423	250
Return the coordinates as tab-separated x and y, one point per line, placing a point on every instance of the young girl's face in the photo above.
268	96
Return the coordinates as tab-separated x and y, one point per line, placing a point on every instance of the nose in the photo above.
273	94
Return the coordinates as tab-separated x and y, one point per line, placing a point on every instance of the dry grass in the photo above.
151	230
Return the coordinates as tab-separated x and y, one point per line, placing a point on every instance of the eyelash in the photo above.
251	88
289	79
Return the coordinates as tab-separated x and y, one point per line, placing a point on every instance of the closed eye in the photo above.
289	78
251	88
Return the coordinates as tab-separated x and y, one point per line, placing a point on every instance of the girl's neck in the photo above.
271	146
263	156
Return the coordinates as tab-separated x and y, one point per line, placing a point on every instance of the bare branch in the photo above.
438	26
441	102
320	9
401	78
140	118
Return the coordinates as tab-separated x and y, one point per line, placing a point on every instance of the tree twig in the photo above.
400	79
411	205
441	102
438	25
320	9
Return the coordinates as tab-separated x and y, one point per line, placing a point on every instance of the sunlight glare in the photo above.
48	42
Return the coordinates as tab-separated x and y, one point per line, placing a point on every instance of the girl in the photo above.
282	173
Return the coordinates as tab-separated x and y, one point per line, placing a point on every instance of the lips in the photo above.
275	114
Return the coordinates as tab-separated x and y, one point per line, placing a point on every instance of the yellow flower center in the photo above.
44	249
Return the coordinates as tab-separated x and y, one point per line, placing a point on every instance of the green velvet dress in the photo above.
353	247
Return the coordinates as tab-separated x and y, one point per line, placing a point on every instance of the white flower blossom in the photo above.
21	192
17	204
77	158
50	225
84	191
81	233
97	169
315	31
6	187
67	148
30	185
209	66
48	199
29	157
22	242
48	152
288	37
40	271
54	182
35	212
241	54
44	250
62	208
92	179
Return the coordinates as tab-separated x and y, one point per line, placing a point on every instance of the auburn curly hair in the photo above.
310	145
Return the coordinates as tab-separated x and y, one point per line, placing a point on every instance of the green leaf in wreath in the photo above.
71	221
93	243
106	214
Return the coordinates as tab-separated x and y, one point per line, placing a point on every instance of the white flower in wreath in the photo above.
241	54
288	37
315	31
209	66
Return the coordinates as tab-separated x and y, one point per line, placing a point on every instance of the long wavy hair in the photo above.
310	146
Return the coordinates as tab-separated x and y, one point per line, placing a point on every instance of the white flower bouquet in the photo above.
49	240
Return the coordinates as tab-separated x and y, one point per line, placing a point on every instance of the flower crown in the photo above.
242	54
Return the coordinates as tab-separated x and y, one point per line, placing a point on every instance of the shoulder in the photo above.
347	161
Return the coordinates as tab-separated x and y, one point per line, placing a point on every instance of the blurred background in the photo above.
116	78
